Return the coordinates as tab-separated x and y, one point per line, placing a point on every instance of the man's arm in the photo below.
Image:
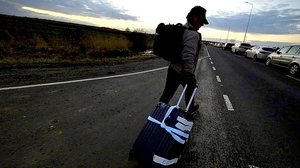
190	46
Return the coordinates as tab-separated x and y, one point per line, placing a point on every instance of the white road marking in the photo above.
211	62
228	103
226	98
218	79
89	79
209	58
200	59
207	52
293	78
214	68
81	80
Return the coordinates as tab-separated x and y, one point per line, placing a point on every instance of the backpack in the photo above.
168	41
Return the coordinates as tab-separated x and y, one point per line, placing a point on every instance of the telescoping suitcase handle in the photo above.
191	99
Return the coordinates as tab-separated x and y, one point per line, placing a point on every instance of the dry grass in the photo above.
93	48
106	43
29	41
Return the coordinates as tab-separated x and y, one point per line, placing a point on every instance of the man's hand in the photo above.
189	77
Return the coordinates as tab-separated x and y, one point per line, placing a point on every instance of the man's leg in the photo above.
171	86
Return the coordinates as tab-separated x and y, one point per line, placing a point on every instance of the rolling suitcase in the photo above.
163	137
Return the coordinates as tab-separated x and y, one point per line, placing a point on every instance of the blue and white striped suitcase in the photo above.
163	137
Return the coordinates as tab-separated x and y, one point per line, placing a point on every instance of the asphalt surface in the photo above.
95	123
263	129
86	124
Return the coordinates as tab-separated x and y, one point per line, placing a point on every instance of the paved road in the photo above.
84	124
263	129
93	124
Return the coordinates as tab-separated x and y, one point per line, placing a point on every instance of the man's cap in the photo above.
199	12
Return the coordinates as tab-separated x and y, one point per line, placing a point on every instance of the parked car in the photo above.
258	52
228	46
240	48
288	56
219	44
147	52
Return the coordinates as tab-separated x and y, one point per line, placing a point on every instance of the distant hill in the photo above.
53	40
35	24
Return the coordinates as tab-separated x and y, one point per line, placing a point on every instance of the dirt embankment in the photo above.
20	75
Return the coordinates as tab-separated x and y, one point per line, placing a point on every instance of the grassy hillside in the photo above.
29	40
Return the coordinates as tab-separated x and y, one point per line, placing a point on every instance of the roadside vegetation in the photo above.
36	41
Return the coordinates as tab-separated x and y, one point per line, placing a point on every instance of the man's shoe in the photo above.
189	117
191	112
193	109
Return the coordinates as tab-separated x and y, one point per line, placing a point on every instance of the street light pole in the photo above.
228	33
248	20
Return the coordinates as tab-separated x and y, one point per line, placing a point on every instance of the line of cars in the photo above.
287	56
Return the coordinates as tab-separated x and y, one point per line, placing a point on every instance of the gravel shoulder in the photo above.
17	76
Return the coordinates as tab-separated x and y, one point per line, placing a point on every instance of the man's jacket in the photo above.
191	45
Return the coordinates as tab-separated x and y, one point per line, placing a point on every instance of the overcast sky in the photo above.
270	18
